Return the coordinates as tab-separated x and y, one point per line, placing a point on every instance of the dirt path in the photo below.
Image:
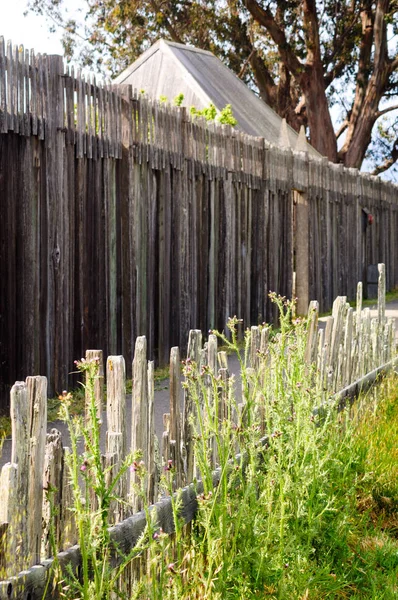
162	405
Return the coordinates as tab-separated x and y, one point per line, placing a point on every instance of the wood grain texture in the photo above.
124	217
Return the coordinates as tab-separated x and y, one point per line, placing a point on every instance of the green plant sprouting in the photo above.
210	113
179	99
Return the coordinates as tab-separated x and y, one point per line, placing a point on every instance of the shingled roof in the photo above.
168	69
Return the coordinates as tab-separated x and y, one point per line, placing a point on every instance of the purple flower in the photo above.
171	567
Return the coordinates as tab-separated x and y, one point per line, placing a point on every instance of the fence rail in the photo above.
123	217
352	346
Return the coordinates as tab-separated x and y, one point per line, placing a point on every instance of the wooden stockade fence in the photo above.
123	217
353	348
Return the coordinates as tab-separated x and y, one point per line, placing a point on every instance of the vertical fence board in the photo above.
124	217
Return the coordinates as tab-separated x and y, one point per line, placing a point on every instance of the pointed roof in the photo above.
168	69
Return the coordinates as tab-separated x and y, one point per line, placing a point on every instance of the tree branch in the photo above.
394	64
311	32
380	35
345	41
334	73
264	80
388	109
389	161
169	28
342	128
265	18
362	79
300	106
246	64
341	45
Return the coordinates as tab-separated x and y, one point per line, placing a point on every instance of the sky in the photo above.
31	31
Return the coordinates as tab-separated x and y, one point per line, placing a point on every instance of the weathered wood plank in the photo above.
116	402
37	398
175	417
52	486
193	356
139	424
3	88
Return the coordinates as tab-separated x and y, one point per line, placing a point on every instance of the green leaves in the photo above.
225	116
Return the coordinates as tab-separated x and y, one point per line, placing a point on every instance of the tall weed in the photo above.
293	515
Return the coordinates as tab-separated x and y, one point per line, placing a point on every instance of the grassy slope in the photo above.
375	532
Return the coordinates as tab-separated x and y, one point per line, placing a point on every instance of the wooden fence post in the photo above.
139	424
301	243
37	396
116	434
255	342
152	465
11	539
68	530
116	402
193	354
21	417
52	486
175	417
312	339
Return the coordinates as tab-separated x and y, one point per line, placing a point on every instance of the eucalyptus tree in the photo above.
304	58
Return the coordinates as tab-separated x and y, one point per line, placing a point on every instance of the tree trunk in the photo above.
322	136
362	134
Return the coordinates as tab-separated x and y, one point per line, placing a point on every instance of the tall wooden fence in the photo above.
122	217
352	346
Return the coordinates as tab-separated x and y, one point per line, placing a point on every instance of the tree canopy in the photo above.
315	63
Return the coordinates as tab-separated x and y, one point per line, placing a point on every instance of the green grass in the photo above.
368	302
5	427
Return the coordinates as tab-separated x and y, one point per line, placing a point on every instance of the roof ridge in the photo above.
186	47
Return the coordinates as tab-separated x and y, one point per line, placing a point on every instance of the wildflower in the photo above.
276	434
65	397
136	466
158	533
